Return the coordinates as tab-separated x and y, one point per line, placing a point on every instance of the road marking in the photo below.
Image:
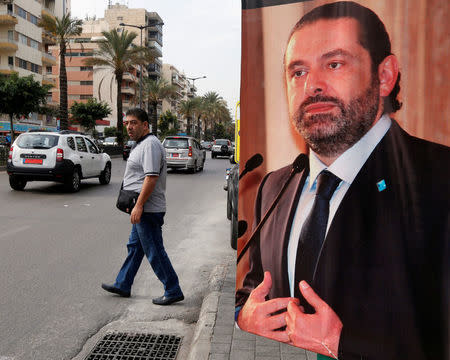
8	233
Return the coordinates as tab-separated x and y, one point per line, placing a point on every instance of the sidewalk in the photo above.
217	338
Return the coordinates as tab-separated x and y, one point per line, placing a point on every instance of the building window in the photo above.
23	64
49	70
84	97
23	39
33	19
86	82
86	68
11	35
120	18
34	44
11	60
34	68
21	12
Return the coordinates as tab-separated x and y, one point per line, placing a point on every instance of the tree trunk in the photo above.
189	125
12	127
199	129
119	76
63	112
154	118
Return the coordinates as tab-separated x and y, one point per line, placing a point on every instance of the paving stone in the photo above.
219	356
242	355
242	345
220	348
222	338
223	330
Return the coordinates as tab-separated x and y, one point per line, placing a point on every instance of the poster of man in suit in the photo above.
349	255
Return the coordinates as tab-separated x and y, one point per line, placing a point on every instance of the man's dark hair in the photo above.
372	36
139	114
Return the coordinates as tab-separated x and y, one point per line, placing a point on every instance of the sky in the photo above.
200	37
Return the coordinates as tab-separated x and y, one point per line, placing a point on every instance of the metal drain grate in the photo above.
133	346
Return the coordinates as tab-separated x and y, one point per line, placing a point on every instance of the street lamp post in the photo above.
195	78
141	27
193	86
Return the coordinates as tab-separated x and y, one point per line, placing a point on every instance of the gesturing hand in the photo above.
256	315
317	332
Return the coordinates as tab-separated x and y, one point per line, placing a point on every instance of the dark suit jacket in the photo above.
384	267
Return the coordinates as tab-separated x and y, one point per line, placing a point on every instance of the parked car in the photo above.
206	145
221	147
232	188
184	152
110	141
65	157
127	148
4	140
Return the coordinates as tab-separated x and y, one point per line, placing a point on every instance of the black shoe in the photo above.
114	290
167	300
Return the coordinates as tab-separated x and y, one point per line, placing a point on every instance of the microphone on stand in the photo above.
298	165
251	164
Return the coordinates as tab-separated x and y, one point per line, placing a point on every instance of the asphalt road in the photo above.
57	248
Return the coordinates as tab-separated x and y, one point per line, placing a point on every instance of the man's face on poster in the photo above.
332	94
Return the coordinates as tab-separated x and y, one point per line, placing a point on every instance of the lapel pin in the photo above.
381	185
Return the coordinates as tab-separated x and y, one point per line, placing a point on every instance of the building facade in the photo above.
24	49
85	82
184	91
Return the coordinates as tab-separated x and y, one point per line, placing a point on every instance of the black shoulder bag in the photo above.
126	200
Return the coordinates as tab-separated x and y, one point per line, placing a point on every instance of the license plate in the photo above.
32	161
175	155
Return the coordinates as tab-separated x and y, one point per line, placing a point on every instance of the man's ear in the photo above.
387	74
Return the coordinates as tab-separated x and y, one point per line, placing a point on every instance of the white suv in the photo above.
64	156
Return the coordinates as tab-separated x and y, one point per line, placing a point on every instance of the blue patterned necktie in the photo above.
313	233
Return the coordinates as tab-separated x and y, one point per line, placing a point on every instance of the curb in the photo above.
201	341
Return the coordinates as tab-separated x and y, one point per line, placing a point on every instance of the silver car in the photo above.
184	152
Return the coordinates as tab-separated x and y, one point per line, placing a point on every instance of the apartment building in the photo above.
24	49
184	91
85	82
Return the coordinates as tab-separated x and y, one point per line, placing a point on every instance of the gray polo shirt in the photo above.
147	157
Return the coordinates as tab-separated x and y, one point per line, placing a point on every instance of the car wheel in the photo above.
194	169
17	182
228	206
105	176
73	182
233	232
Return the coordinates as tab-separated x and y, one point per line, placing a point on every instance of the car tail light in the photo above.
10	152
59	154
190	151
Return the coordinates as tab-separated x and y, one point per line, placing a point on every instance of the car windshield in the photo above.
37	141
131	142
221	142
176	143
110	139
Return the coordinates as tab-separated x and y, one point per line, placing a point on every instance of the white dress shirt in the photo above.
346	167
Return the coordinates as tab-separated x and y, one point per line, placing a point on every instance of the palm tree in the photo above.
187	109
215	109
118	53
62	29
155	92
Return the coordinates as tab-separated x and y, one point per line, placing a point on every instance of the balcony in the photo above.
8	18
48	59
48	11
8	45
128	90
154	45
128	76
48	38
48	80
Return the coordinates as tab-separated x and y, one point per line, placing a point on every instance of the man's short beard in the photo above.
338	132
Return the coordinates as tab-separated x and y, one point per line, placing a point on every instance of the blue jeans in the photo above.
146	238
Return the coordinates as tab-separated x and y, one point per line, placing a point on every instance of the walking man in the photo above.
146	173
